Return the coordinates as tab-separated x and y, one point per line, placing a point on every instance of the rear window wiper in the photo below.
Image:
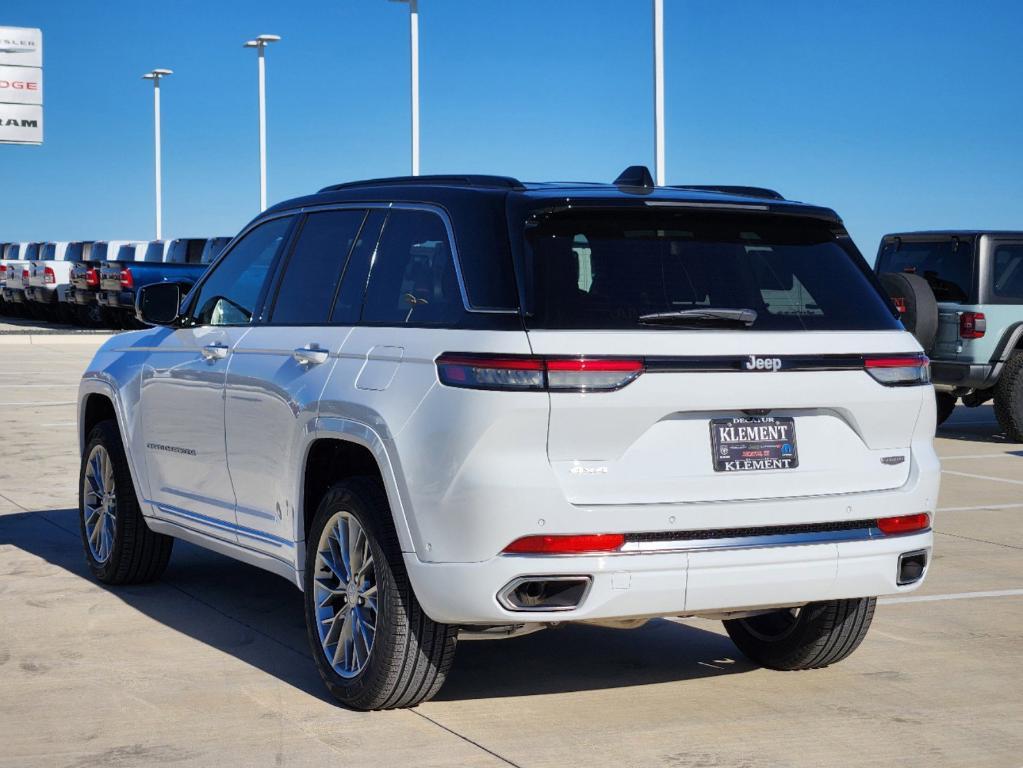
702	317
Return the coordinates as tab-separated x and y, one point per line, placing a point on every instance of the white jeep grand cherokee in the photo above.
467	405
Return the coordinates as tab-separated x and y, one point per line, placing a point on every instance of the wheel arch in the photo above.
362	451
1011	341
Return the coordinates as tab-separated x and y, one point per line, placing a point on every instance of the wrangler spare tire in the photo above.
917	305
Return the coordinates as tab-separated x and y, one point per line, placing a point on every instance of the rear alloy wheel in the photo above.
812	636
119	546
945	403
1009	398
372	644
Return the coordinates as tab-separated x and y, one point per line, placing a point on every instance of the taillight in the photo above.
25	274
127	281
566	545
92	277
904	523
48	277
528	373
903	371
900	304
972	325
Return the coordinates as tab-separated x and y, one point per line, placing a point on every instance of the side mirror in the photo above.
158	303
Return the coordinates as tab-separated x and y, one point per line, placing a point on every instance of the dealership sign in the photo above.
21	85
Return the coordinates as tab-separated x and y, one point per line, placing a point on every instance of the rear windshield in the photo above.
618	270
947	265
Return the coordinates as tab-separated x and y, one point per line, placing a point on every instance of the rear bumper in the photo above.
14	295
964	376
705	581
81	296
41	294
116	299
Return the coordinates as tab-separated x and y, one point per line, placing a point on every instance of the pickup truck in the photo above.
49	276
181	261
976	339
85	280
17	259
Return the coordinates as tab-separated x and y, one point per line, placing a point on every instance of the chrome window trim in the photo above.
400	206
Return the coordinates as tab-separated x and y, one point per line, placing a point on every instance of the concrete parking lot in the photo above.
210	667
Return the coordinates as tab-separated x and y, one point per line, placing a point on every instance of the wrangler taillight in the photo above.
972	325
92	277
48	276
900	371
533	373
127	281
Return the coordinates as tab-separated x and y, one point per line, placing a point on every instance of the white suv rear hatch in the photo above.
706	401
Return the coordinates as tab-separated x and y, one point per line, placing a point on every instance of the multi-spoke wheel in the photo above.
345	591
372	644
815	635
119	546
100	502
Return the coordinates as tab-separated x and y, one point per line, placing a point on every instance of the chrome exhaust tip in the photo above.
544	593
911	567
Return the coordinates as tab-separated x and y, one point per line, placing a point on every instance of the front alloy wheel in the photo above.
345	591
99	504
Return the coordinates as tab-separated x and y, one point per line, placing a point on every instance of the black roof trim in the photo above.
728	189
468	180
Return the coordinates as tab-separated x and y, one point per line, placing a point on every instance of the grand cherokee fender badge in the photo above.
892	460
171	449
763	363
577	470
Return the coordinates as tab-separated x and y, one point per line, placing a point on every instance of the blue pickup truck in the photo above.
181	261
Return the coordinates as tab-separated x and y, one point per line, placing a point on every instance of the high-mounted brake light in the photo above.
900	371
48	276
904	523
92	277
972	325
127	280
529	373
566	545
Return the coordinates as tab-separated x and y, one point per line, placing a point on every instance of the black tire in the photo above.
946	403
137	554
818	635
411	654
921	309
1009	398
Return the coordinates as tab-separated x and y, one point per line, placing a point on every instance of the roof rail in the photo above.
733	190
469	180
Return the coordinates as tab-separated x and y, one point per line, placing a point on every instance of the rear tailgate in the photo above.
777	407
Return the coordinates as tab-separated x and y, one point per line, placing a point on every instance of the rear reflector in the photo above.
566	545
904	523
903	371
525	372
972	325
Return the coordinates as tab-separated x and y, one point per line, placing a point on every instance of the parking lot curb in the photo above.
54	338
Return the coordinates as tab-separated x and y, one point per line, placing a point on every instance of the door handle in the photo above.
214	351
311	355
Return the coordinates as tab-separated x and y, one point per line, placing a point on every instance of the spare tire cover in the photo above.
920	309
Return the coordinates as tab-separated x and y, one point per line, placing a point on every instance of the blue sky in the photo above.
900	115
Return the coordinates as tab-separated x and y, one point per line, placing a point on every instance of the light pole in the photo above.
659	91
156	75
260	44
413	6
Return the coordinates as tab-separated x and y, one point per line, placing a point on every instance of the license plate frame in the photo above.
753	443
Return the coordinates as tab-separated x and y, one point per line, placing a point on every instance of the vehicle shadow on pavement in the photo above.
257	617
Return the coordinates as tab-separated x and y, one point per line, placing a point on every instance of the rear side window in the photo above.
629	270
1007	274
946	265
412	279
232	291
306	291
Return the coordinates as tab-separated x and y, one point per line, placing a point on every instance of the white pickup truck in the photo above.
49	276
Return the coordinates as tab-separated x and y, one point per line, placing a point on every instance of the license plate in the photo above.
753	443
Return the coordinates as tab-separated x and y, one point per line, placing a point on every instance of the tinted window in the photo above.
306	291
348	306
412	279
1007	275
230	294
947	265
619	270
